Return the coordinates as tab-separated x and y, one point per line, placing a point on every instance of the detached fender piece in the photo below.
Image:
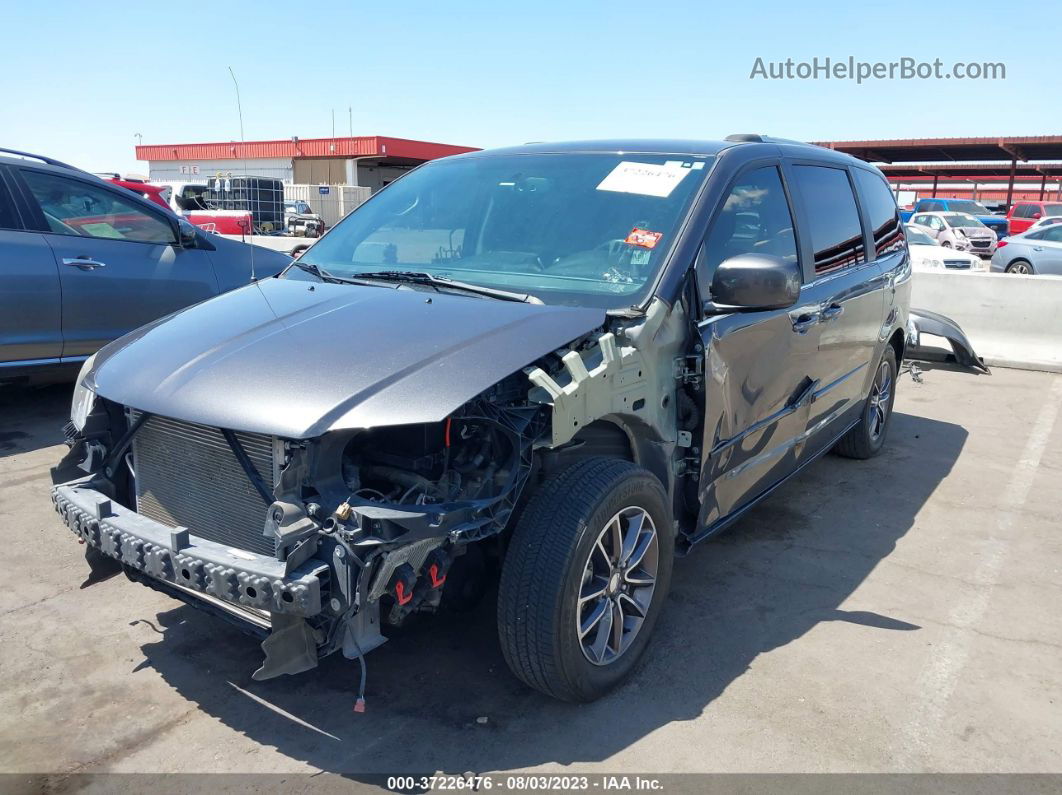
923	321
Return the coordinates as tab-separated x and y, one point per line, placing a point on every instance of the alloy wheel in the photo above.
880	395
617	586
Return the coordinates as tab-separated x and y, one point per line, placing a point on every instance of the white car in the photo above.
959	231
927	254
1047	220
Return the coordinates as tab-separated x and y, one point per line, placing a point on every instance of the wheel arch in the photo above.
622	437
898	341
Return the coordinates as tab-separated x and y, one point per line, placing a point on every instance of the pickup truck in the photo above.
997	223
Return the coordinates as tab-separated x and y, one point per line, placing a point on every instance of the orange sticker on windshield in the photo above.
643	238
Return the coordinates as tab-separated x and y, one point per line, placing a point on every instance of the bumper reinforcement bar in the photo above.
175	556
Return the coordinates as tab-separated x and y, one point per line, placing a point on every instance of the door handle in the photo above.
804	321
84	263
831	312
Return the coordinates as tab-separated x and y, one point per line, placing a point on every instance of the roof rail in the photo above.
755	138
50	161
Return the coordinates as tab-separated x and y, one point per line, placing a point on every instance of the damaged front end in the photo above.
922	321
309	543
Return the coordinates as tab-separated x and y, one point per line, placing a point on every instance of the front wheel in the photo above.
866	439
585	576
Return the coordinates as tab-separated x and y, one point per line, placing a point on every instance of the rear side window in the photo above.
1053	233
833	219
73	207
882	211
8	216
754	219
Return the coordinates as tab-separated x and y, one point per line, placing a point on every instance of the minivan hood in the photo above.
296	358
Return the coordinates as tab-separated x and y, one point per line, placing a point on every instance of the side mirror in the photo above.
186	234
755	281
1038	216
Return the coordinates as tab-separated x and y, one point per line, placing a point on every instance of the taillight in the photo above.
1001	244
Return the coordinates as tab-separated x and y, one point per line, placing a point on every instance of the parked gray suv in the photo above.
83	261
567	363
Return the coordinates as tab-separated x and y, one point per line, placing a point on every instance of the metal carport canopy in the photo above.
922	150
980	171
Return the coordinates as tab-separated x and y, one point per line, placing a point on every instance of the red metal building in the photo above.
371	161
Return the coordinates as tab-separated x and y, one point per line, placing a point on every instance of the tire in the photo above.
554	557
1021	267
946	244
867	438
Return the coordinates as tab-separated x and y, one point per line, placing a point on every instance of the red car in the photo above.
153	193
1024	214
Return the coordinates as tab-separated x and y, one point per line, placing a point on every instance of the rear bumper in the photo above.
194	564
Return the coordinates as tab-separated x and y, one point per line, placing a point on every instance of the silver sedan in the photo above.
1037	251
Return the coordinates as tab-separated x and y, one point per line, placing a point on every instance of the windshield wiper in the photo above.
439	282
325	276
316	270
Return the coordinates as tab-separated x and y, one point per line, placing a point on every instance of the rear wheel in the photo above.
585	576
1021	267
866	439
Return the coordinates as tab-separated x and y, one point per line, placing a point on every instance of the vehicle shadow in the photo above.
786	567
32	417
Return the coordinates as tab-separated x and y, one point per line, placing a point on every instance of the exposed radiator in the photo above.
187	475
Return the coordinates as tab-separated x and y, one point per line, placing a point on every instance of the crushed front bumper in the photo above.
195	564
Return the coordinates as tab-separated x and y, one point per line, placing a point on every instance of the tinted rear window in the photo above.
8	216
881	208
833	219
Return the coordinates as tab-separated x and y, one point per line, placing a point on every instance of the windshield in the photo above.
918	237
960	219
579	229
969	207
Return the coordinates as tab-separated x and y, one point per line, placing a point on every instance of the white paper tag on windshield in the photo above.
647	179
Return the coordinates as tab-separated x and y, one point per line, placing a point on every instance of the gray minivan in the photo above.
564	362
83	262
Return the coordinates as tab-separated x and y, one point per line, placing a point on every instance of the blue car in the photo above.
83	262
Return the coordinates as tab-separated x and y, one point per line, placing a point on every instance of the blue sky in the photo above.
497	73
